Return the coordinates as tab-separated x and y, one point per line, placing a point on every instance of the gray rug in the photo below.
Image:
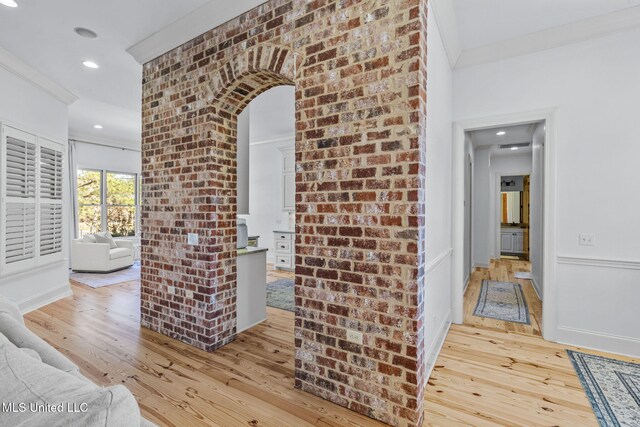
612	386
280	294
502	301
98	280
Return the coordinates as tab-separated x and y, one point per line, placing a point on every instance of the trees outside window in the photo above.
107	202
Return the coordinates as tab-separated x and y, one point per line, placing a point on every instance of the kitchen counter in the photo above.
251	250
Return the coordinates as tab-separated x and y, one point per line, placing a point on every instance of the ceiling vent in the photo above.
518	145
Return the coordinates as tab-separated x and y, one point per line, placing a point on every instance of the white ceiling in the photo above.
483	22
515	134
273	115
40	33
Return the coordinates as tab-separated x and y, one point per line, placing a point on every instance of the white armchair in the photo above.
99	257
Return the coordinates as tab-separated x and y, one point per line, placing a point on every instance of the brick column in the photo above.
359	70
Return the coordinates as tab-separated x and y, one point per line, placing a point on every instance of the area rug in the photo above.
280	294
502	301
98	280
523	275
612	386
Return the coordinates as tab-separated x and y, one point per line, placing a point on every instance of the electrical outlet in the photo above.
193	239
587	239
354	337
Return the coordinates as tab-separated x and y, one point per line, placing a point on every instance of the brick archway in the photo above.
360	113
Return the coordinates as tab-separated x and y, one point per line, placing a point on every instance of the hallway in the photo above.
503	270
492	372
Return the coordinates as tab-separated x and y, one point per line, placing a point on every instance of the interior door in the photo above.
526	209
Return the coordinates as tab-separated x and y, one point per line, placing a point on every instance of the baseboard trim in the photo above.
433	352
433	265
34	303
480	265
610	343
536	288
599	262
466	284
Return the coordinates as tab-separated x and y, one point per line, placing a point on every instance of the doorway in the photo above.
541	222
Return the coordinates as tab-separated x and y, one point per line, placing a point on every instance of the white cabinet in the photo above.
512	240
288	179
251	300
285	250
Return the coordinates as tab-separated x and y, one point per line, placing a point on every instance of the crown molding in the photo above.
19	68
206	17
598	26
445	16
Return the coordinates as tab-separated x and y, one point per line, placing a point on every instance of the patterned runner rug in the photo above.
502	301
280	294
612	386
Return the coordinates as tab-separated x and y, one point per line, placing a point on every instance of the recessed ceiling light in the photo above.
90	64
84	32
97	126
500	133
9	3
514	148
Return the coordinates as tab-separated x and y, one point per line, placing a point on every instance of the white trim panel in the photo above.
599	262
598	341
38	301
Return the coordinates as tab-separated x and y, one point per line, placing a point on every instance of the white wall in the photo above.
243	182
28	108
265	194
594	85
536	202
438	194
91	156
481	207
468	207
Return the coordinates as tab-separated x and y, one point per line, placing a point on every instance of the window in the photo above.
31	225
108	201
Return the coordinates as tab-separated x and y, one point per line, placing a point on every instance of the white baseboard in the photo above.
433	351
617	344
466	283
536	288
35	302
479	265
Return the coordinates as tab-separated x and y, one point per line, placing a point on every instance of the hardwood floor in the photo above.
247	383
489	377
483	376
503	270
273	274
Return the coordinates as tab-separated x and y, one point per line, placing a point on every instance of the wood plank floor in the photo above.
503	270
484	376
247	383
273	274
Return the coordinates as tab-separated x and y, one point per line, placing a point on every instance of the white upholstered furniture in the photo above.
87	256
41	387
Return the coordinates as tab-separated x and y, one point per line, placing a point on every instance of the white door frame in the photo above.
549	319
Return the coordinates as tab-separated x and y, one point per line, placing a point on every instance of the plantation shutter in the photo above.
50	189
19	199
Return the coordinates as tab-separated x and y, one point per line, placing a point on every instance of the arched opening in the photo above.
359	192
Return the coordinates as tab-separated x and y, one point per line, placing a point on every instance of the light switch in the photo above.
192	239
587	239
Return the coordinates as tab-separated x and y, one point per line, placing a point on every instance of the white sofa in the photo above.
99	257
44	388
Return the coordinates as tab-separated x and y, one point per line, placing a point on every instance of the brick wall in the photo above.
359	72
